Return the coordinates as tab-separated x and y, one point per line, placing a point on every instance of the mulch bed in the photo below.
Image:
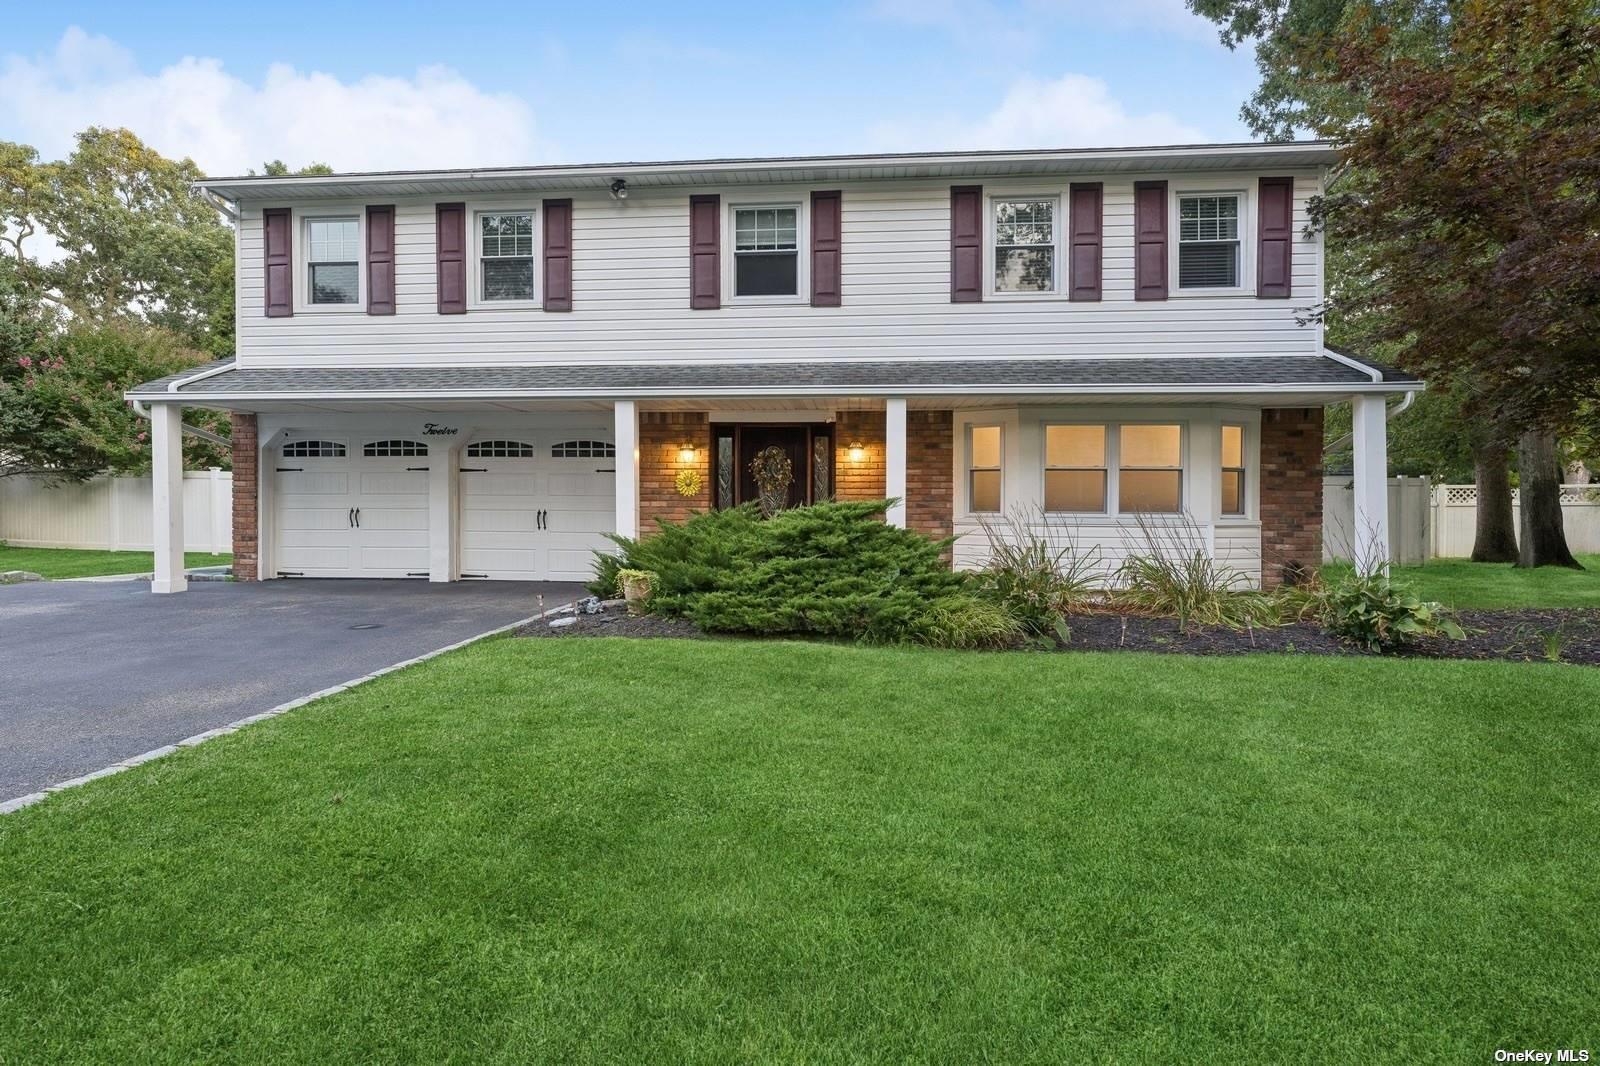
1515	635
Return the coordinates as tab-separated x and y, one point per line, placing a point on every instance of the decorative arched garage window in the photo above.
583	449
394	449
313	449
499	449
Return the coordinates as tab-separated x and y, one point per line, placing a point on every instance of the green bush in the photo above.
1036	571
967	621
1191	588
606	566
833	569
1381	614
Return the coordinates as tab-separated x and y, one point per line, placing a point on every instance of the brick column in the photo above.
245	530
930	451
1291	492
662	434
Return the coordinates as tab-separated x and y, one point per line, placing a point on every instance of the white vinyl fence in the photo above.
1439	521
1455	516
114	513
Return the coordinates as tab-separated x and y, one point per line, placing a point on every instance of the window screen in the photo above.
1208	242
1024	245
766	251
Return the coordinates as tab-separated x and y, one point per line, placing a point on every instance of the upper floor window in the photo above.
333	253
1025	245
766	251
505	255
1208	241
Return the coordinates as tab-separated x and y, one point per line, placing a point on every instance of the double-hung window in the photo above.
1233	490
983	469
766	251
1075	478
333	256
1208	241
1025	245
505	255
1150	469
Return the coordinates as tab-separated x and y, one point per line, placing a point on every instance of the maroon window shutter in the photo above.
705	252
1274	260
380	260
452	258
276	227
827	244
1084	216
558	255
1149	240
966	244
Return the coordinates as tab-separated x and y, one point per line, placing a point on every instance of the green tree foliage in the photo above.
277	168
62	415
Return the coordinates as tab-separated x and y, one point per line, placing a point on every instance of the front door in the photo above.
734	446
753	440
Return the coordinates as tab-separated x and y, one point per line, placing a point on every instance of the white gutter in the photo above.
212	372
1353	364
777	392
143	412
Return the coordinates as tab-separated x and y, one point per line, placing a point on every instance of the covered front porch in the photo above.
522	472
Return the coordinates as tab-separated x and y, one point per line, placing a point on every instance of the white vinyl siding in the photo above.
630	277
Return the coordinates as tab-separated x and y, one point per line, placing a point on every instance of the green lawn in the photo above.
1462	584
608	850
73	562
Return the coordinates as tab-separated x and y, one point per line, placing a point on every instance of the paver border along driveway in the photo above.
92	673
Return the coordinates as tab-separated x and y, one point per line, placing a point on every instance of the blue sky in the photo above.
367	85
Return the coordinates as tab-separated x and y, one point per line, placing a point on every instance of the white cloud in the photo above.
1072	111
196	108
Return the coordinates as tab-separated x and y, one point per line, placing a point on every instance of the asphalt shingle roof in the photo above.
844	375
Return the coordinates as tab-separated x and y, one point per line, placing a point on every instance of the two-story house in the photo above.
478	373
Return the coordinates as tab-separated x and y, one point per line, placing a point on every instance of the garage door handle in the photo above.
350	517
358	518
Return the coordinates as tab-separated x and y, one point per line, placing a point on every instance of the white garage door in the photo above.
536	507
347	510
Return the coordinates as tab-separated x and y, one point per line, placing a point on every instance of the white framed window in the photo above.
500	449
505	256
1210	240
767	259
394	449
1234	481
1149	468
1076	477
984	487
1023	238
333	261
314	449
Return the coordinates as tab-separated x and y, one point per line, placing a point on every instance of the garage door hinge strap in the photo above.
474	470
289	469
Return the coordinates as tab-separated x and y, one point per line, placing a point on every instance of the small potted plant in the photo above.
636	586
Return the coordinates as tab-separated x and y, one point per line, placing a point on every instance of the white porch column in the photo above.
627	439
894	459
166	482
444	493
1370	437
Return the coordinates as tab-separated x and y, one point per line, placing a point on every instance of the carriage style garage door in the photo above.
352	509
537	506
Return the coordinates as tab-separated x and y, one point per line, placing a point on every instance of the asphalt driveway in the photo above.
95	672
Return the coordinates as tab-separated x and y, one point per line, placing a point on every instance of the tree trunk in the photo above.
1495	540
1544	542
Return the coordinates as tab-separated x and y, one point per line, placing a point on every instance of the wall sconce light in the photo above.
858	451
686	452
619	189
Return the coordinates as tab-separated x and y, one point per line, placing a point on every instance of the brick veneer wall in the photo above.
1291	492
245	530
863	480
930	451
661	435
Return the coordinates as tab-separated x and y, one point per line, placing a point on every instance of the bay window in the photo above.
1233	488
1150	469
1075	479
983	469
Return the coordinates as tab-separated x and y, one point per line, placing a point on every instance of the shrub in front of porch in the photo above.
832	569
